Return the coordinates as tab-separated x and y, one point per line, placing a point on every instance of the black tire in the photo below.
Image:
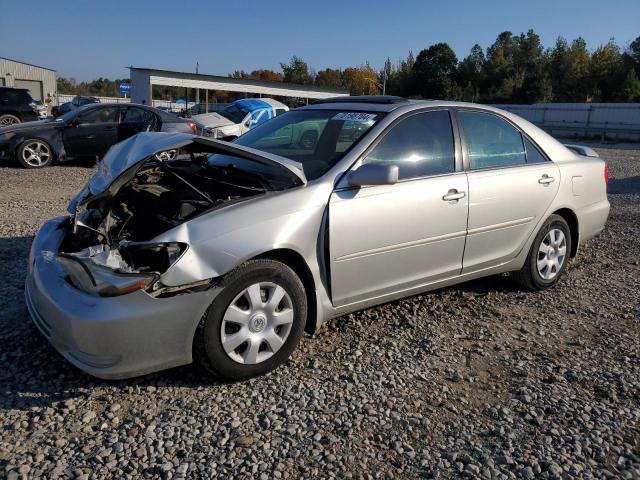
8	119
21	155
529	276
308	139
208	351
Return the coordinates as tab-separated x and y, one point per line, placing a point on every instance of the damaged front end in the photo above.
138	194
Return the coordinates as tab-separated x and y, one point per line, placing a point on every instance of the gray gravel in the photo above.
480	380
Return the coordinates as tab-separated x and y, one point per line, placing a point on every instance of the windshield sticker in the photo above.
355	116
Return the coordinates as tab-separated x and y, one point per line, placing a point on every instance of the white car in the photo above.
240	116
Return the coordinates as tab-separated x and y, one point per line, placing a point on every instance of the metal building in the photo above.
143	79
40	81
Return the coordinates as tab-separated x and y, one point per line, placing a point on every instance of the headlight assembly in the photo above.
132	267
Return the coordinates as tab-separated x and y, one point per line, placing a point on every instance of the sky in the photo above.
90	39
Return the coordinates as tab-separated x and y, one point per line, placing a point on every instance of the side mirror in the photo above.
74	123
373	174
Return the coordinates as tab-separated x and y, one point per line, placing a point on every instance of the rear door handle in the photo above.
546	179
453	195
91	137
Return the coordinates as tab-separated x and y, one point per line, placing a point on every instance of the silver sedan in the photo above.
227	253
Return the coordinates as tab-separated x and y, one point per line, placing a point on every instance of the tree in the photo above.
607	72
296	71
470	74
240	74
329	78
631	56
361	80
631	88
266	76
401	80
434	70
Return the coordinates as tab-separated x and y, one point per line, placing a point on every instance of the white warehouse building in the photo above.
40	81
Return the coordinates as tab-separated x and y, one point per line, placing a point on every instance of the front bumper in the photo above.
108	337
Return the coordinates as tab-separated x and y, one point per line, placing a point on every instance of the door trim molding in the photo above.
500	226
401	246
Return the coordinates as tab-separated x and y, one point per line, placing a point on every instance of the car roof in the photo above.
161	113
388	103
3	87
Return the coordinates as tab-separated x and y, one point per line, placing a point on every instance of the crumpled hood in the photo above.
212	120
123	160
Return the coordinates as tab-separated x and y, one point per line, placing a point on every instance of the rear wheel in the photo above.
7	119
254	324
34	153
548	256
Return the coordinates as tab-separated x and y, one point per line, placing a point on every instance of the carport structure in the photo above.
143	79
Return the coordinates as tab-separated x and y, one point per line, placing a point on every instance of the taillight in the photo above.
606	174
192	126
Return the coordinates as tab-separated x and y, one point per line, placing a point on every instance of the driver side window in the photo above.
99	115
421	145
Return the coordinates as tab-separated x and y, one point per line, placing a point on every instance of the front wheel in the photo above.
548	256
34	153
254	324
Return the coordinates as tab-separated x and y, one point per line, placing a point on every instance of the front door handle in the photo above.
546	179
91	137
453	195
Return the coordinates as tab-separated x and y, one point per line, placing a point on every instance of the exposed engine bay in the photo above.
162	195
111	231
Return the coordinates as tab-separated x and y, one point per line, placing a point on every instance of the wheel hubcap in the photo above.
552	254
257	323
36	154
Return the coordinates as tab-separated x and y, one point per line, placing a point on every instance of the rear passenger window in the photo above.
420	145
533	154
491	141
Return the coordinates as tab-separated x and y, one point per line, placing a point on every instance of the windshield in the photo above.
233	113
315	138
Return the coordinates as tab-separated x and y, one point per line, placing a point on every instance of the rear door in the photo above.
94	131
135	120
511	185
391	238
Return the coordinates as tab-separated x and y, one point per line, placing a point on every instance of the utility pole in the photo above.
197	89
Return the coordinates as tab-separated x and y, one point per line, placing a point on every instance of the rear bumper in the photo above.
111	338
592	219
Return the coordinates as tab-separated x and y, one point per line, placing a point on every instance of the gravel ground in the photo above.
479	380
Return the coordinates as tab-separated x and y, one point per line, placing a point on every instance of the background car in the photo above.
77	102
16	106
227	253
240	116
86	132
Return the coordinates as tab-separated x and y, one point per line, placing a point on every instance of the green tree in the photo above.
607	72
434	70
296	71
631	88
631	56
470	74
401	80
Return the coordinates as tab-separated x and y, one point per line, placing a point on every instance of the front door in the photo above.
389	238
93	132
511	185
